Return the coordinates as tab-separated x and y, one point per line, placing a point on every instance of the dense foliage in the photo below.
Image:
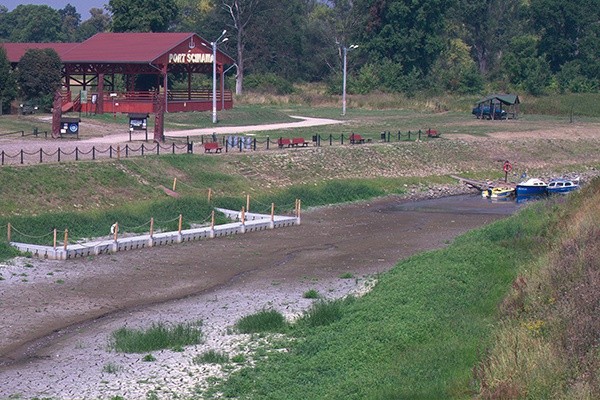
453	46
39	75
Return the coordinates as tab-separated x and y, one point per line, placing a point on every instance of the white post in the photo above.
344	53
214	92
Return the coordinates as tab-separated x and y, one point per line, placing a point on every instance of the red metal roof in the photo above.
14	51
117	48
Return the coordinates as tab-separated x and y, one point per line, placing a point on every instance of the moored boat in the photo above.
498	192
533	186
563	185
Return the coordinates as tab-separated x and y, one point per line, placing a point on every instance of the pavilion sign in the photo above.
190	58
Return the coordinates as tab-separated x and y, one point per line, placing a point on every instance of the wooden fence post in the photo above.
247	202
174	183
8	233
66	239
54	242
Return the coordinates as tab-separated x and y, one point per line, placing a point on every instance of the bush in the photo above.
262	321
268	83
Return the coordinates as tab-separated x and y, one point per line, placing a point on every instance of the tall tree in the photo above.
142	15
408	33
70	20
525	67
563	27
39	75
487	26
7	82
98	22
32	23
241	13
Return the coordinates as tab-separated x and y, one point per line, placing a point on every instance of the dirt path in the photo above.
56	315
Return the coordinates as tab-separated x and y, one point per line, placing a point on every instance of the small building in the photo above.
90	67
498	106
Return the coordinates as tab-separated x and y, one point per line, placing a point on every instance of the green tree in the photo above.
39	75
30	23
406	32
564	28
525	67
7	81
70	20
487	26
143	15
455	71
97	23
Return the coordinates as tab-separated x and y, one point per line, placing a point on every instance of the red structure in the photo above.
90	67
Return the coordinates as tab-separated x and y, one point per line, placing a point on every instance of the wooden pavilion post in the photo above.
100	99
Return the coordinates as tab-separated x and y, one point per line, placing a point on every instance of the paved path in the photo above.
225	130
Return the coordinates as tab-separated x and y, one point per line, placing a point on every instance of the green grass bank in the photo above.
437	325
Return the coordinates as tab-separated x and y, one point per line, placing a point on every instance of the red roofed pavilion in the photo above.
91	67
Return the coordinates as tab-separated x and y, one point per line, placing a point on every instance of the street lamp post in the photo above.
344	54
214	93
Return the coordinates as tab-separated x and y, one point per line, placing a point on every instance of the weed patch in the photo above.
157	337
211	357
262	321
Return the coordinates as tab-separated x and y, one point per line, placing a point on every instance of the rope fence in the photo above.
82	153
241	143
228	143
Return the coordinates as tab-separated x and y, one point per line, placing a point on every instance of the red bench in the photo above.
299	141
356	139
281	142
432	133
210	146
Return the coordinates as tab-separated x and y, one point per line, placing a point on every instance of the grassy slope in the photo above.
416	335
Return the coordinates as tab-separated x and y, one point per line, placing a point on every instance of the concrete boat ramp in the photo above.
251	222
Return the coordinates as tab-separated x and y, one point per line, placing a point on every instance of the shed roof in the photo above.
508	99
117	48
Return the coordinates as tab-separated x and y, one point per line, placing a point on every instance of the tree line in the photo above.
440	46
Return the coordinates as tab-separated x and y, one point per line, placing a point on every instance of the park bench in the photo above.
210	146
356	139
432	133
299	141
281	142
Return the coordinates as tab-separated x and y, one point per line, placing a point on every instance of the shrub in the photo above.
268	83
157	337
262	321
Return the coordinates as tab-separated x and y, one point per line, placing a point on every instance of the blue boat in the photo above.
531	187
563	185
